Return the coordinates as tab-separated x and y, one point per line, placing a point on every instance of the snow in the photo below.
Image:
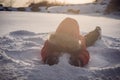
23	35
95	7
83	9
24	21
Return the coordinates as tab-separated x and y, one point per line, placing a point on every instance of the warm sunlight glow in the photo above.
76	1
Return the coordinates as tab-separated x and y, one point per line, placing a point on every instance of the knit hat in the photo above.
66	35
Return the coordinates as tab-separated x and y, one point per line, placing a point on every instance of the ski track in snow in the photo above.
20	59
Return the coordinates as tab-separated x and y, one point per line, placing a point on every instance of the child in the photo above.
67	39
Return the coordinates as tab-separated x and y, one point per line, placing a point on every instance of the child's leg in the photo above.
49	54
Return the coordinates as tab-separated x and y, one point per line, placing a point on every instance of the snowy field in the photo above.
22	36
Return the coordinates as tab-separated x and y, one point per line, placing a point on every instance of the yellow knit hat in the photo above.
68	27
67	35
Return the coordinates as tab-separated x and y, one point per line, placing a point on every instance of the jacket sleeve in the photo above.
44	51
84	54
84	57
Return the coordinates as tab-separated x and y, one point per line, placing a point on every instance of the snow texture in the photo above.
20	59
23	35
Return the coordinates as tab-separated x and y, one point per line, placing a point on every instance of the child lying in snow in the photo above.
67	39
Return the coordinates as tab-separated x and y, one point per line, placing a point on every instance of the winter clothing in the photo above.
67	38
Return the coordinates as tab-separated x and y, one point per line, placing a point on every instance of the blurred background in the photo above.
105	6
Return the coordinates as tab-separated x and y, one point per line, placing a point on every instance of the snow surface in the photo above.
23	35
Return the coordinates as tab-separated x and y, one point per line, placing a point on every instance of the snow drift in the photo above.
20	59
20	49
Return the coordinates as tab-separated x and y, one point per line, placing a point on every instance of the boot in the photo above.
93	36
